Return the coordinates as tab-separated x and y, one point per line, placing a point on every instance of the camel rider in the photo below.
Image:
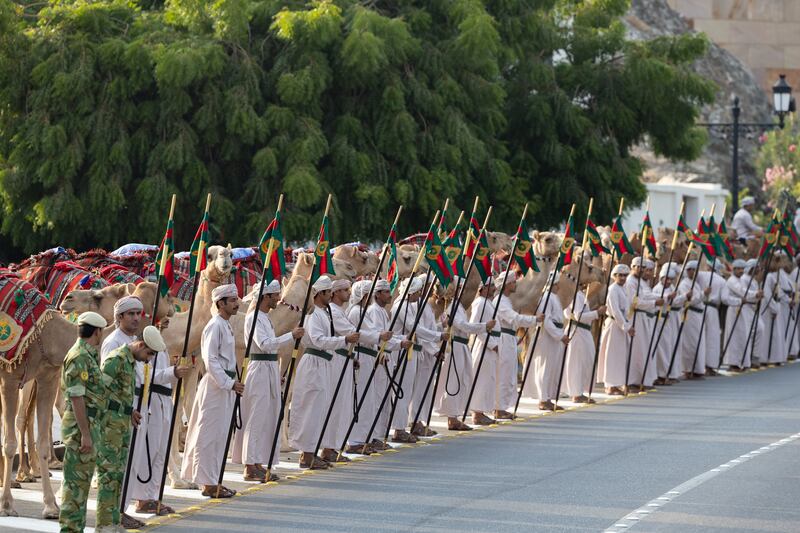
743	223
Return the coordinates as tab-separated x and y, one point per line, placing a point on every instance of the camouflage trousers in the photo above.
78	470
112	456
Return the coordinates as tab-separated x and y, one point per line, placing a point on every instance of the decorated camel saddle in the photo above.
23	312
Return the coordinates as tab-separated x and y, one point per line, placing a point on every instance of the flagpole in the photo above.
636	303
686	304
351	346
457	295
179	383
753	330
539	325
796	310
650	351
573	318
605	299
292	362
710	283
164	256
494	313
380	359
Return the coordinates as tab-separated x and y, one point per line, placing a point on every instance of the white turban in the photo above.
341	284
739	263
127	303
667	271
510	277
382	285
621	269
718	266
323	283
224	291
417	284
637	261
359	290
649	264
273	287
153	339
691	265
90	318
751	263
747	200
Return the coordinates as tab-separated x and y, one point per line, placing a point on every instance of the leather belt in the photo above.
342	352
581	325
264	357
462	340
320	353
161	389
508	331
712	304
646	313
494	333
695	309
231	373
367	351
676	308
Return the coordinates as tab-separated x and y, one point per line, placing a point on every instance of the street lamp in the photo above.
782	102
782	105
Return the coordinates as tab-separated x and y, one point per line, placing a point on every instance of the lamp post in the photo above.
782	105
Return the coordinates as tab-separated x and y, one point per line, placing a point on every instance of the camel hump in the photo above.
23	312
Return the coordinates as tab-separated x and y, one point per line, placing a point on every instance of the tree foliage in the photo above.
108	107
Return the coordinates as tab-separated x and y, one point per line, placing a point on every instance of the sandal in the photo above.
317	463
403	437
359	449
129	522
154	507
218	491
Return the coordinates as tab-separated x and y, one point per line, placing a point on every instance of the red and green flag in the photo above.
392	273
270	248
198	253
437	261
648	239
771	237
788	239
595	242
478	249
686	230
565	253
724	241
619	239
323	263
453	249
165	260
703	237
523	250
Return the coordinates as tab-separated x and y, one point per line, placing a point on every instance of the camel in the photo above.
364	263
529	287
499	241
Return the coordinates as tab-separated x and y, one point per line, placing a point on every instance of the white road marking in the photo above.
33	524
631	519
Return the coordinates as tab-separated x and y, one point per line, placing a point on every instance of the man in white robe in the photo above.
714	282
429	335
758	343
692	350
580	353
741	300
778	288
261	402
312	393
483	397
646	304
508	362
617	332
212	410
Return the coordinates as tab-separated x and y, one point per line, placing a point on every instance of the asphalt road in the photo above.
585	470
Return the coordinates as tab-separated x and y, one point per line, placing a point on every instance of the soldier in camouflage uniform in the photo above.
81	424
119	374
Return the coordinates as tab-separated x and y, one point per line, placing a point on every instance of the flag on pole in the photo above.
788	236
392	273
725	243
453	248
648	239
324	262
770	237
271	250
704	240
443	225
565	253
478	250
523	251
198	256
618	238
436	258
595	242
165	260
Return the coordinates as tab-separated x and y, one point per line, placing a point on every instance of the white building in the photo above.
665	201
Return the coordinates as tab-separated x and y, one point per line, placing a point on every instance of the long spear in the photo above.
181	362
457	294
379	356
636	302
686	305
165	253
705	303
796	311
753	329
380	360
539	327
605	298
293	361
358	328
573	318
650	352
494	314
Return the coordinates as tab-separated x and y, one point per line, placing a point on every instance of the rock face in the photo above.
647	19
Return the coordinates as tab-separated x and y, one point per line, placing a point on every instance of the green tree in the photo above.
109	107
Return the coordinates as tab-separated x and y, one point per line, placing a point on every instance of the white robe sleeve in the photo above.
618	307
507	315
475	316
319	332
211	357
461	323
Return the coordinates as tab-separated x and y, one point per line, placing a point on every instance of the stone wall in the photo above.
763	34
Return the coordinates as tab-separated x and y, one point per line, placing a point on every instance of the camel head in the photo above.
344	270
499	241
546	243
664	238
146	292
364	263
305	264
100	301
406	256
220	262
